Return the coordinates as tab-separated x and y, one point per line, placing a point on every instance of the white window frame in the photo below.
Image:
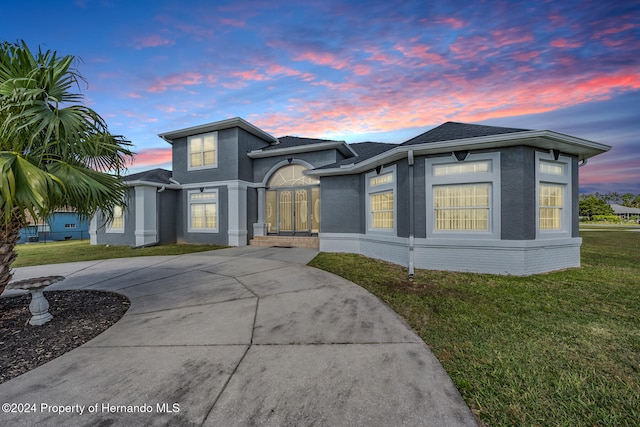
563	180
491	177
214	165
190	227
69	226
382	188
119	230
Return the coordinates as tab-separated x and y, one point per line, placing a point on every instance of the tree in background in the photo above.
590	205
54	151
628	199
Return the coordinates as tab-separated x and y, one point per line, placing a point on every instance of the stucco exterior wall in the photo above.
227	160
262	167
167	216
518	181
128	238
182	220
342	204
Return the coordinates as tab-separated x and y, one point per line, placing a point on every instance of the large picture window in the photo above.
203	211
203	151
381	201
463	196
462	207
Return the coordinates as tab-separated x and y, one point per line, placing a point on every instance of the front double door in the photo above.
297	211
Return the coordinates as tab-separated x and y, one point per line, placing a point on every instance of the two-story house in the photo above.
459	197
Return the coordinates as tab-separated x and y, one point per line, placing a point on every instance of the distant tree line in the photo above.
600	204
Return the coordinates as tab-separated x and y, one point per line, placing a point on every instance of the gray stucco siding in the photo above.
246	143
518	193
167	216
127	238
252	210
575	193
227	160
261	167
342	208
402	198
420	198
182	220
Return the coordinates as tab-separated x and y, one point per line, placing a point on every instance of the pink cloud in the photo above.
614	30
421	51
510	36
152	157
374	106
153	40
134	95
526	56
250	75
322	58
454	23
564	43
232	22
175	81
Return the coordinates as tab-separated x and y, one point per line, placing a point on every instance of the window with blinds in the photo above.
462	207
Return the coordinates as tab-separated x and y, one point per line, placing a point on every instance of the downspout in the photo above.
411	214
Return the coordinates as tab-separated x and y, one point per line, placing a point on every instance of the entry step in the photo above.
286	241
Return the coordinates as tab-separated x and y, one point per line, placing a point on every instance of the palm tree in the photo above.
54	152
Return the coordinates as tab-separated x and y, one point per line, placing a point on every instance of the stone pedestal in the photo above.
39	306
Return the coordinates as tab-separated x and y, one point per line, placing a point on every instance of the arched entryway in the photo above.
292	205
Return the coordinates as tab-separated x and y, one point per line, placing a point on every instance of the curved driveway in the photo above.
241	336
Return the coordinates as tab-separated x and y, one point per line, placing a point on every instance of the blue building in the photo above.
62	225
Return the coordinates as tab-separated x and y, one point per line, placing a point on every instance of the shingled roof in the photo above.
161	176
364	150
450	131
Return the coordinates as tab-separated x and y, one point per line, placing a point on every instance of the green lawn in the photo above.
557	349
76	250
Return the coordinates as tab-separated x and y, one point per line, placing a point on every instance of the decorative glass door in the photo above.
292	202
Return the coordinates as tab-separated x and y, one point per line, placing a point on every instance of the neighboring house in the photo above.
459	197
61	225
625	212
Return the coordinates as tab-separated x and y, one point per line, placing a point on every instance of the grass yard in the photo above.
556	349
81	250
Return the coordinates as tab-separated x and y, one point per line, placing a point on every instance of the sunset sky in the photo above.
354	70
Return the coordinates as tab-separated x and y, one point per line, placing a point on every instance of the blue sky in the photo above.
354	70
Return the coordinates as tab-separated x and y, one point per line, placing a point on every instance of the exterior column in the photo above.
93	230
237	214
260	227
146	216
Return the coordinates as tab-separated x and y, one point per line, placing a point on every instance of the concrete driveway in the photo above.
241	336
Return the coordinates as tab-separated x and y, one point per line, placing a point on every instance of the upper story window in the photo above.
203	151
553	193
381	201
463	197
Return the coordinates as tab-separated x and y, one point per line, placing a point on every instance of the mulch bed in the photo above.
78	316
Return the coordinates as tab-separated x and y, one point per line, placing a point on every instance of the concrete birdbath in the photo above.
39	305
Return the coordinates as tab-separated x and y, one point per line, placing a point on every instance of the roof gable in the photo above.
450	131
